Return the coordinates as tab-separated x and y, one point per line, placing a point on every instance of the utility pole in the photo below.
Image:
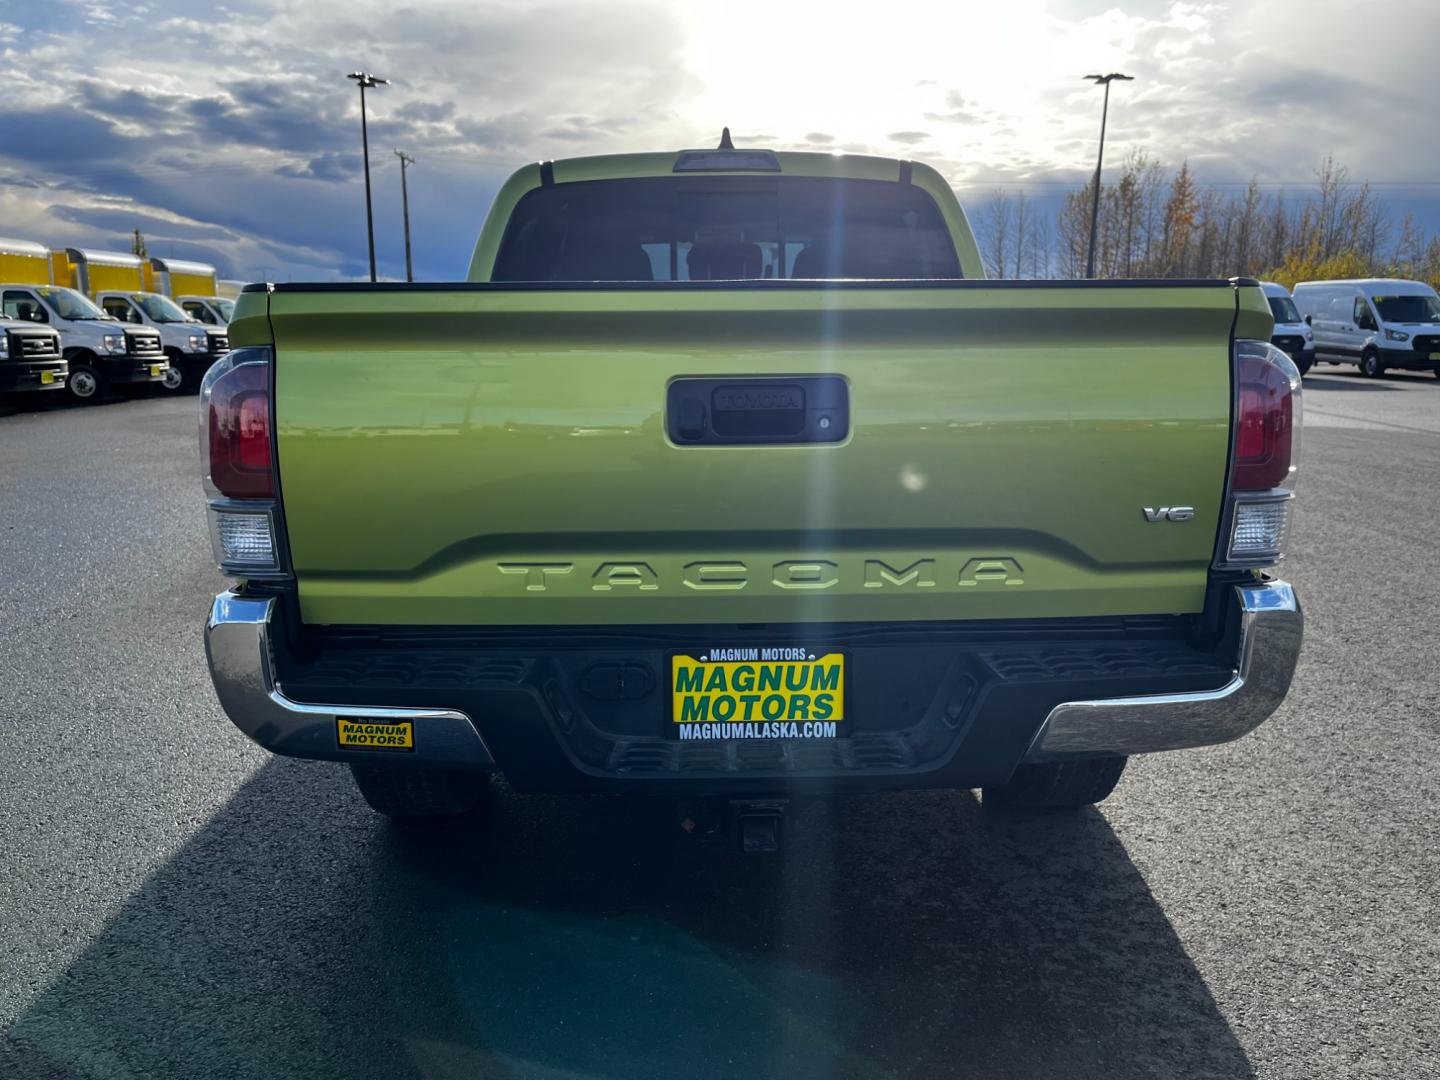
405	160
1099	160
365	79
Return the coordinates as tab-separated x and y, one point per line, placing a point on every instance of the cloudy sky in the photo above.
229	133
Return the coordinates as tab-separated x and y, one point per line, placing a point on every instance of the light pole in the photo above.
405	160
365	79
1099	160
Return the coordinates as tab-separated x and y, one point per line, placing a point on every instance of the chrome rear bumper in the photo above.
242	665
243	631
1271	625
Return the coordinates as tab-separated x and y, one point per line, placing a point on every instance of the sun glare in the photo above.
946	78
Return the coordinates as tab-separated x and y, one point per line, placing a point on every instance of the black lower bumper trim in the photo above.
1408	360
20	377
129	369
947	705
198	363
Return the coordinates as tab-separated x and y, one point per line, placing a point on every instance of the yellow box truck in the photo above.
92	271
25	260
192	285
176	278
101	353
121	284
30	354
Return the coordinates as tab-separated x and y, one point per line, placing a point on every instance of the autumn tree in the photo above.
1151	225
1182	210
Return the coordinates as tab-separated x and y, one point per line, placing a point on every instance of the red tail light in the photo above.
239	430
1267	455
236	425
1266	434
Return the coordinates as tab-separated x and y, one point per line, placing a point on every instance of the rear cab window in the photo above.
725	228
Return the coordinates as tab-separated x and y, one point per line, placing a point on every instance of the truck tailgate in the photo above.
492	455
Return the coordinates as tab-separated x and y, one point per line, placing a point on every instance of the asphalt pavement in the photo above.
175	903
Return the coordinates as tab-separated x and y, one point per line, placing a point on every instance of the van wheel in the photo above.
174	379
410	792
1370	365
1057	785
85	383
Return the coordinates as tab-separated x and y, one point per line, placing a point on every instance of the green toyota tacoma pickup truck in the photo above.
726	474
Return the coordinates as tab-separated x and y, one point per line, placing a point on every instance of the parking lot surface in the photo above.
173	902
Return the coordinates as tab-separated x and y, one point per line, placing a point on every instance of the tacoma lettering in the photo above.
878	573
613	575
798	575
535	573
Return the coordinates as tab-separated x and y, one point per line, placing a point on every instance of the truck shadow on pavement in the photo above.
907	935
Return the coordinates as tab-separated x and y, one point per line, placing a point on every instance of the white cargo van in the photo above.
1374	323
1291	334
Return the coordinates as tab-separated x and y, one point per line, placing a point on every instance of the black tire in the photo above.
86	383
1304	366
1058	785
176	381
410	792
1370	365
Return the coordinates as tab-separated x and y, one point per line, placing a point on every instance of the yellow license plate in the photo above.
357	734
156	369
47	378
762	692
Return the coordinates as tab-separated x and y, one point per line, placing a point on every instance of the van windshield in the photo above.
160	309
69	304
1283	308
1411	309
713	228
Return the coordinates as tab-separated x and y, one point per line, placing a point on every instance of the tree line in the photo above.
1158	224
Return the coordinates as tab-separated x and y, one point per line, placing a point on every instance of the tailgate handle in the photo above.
760	410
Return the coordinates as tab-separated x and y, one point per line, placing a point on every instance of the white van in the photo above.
190	346
1374	323
211	310
30	358
102	352
1291	334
